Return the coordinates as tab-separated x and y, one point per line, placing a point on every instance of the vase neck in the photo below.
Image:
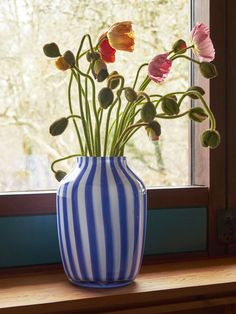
108	161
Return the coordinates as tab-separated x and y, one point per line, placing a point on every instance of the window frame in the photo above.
210	186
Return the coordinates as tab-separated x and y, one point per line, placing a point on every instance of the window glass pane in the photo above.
33	92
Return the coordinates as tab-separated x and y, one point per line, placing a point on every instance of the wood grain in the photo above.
163	288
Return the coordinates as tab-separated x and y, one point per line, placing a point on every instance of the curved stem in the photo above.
71	111
128	137
78	56
164	116
208	110
86	134
138	72
116	123
110	110
61	159
97	129
73	116
184	57
126	131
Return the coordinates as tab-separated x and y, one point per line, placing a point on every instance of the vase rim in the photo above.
101	157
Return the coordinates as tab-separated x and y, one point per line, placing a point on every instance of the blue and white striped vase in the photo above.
101	219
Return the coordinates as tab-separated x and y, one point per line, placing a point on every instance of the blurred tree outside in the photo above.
33	92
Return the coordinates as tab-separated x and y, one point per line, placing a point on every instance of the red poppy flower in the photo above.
106	51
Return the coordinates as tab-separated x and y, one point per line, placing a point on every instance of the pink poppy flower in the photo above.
203	46
159	68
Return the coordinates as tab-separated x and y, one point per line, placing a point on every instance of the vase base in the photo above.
101	284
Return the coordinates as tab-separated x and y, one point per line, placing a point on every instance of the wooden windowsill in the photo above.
160	288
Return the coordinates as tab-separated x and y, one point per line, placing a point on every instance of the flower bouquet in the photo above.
101	203
134	107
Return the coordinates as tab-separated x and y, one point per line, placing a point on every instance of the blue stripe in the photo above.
136	217
91	222
109	237
123	222
77	231
144	212
59	234
66	228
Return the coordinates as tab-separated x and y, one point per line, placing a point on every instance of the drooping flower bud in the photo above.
210	138
105	97
197	89
148	112
169	106
198	114
93	56
58	127
59	175
62	64
179	46
208	70
173	97
113	83
69	57
154	130
130	94
51	50
100	70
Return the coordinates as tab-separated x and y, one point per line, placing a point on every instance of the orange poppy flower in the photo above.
121	36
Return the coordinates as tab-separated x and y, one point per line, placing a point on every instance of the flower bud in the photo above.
169	106
113	83
100	70
51	50
105	97
208	70
130	94
197	89
173	97
62	64
154	130
59	175
197	114
210	138
148	112
179	46
58	127
69	57
93	56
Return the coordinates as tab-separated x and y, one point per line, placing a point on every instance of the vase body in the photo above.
101	219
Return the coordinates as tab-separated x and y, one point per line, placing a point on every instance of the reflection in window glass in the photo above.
34	93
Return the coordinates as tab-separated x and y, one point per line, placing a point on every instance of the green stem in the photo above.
145	83
61	159
85	127
73	116
122	81
97	128
116	122
87	111
164	116
144	95
184	57
208	110
169	94
71	111
78	56
138	72
126	131
127	138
